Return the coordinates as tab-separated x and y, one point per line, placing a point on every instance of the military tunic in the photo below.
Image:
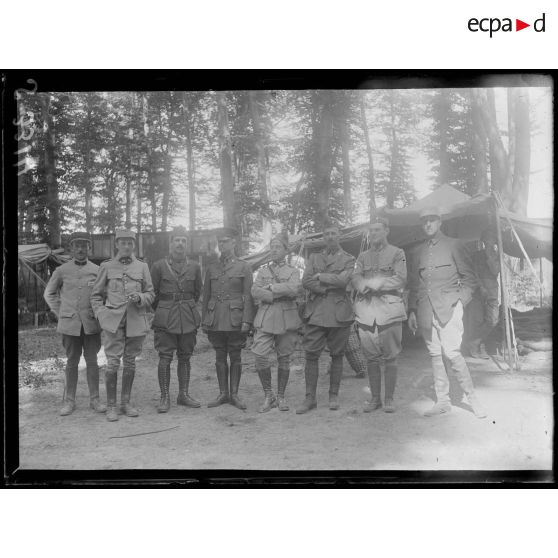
67	295
125	323
275	291
379	314
227	298
328	311
177	287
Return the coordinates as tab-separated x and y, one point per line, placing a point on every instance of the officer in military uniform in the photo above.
121	299
442	283
275	290
483	310
177	284
227	313
67	295
379	279
328	314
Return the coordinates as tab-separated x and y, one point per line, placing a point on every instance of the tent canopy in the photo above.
33	254
462	216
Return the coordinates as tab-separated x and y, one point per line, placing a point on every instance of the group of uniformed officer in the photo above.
118	297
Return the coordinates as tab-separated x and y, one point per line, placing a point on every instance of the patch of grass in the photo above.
38	374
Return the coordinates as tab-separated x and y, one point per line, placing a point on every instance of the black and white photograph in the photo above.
351	274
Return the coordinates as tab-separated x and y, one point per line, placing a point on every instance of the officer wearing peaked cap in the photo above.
121	298
177	284
227	314
67	295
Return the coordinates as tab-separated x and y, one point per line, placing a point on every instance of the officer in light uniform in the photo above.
442	283
328	314
67	295
121	299
177	284
227	314
275	290
379	279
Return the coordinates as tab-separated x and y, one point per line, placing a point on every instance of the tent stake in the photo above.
503	286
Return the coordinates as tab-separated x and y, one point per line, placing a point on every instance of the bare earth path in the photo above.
517	434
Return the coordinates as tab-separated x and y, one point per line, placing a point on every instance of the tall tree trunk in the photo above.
391	187
480	146
296	202
88	189
323	139
150	182
259	134
497	153
371	177
52	199
444	107
522	152
167	191
189	164
345	140
225	162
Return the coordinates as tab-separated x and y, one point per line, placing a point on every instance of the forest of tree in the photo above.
257	160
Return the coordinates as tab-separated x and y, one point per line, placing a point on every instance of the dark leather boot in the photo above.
269	401
70	390
110	385
282	381
375	381
459	367
236	373
311	379
93	384
183	373
390	380
335	381
223	380
127	381
163	372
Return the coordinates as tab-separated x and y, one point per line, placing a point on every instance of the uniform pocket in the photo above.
114	280
344	311
236	308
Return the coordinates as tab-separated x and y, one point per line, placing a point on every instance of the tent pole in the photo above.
503	286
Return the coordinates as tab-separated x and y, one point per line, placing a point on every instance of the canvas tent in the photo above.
463	217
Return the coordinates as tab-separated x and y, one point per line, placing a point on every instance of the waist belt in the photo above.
379	293
228	296
176	296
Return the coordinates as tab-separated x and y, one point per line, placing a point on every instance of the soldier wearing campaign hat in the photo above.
441	285
121	299
379	279
275	291
177	284
227	314
67	295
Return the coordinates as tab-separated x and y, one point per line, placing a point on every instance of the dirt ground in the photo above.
517	435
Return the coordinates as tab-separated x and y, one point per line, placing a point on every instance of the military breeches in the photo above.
227	343
381	343
118	346
316	337
481	316
265	344
75	345
166	344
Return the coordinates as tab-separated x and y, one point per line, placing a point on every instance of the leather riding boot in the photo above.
93	384
110	385
335	381
282	381
183	373
269	401
223	380
163	372
459	366
475	349
311	378
127	381
390	376
235	374
375	381
70	390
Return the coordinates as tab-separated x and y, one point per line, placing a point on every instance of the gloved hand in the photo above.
412	323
